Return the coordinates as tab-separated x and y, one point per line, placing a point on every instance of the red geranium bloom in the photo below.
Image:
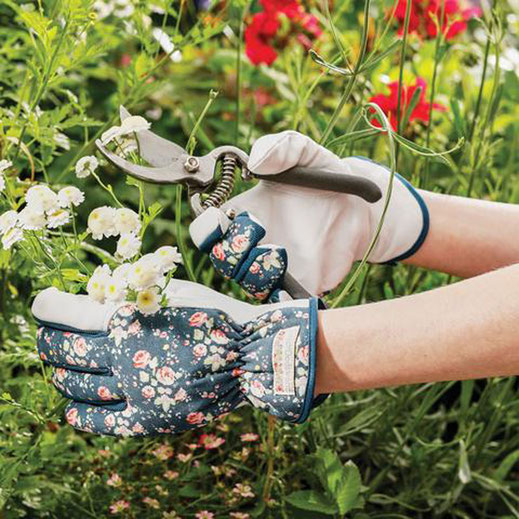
425	14
389	103
263	31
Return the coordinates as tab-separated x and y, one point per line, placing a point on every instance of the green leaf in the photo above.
342	481
312	501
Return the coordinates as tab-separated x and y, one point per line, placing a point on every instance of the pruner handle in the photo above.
316	178
292	286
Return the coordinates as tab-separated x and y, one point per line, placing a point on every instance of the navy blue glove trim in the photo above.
71	329
425	226
256	236
80	369
244	266
425	215
210	240
310	386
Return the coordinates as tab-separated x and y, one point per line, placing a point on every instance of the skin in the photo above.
462	331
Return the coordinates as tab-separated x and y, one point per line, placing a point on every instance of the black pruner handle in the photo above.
294	288
316	178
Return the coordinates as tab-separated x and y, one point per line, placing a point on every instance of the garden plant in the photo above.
427	87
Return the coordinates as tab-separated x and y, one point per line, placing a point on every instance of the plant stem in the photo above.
480	93
180	237
439	39
243	15
401	72
351	83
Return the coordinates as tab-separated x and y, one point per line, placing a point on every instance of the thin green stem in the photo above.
179	233
439	40
239	47
401	71
351	83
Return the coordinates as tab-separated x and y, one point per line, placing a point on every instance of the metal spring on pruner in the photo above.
225	185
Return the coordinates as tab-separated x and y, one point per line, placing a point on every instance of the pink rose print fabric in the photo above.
182	368
236	254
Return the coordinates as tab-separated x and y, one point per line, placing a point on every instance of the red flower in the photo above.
263	31
425	14
389	103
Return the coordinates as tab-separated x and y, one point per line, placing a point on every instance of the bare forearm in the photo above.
468	237
462	331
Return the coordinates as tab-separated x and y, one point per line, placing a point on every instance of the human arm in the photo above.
462	331
468	237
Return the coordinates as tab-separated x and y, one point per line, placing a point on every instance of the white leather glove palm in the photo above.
323	232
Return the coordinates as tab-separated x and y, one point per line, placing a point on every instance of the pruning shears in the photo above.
209	187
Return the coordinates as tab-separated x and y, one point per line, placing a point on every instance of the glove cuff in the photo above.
279	360
425	223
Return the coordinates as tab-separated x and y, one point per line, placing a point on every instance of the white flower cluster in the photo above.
105	221
44	209
144	280
119	8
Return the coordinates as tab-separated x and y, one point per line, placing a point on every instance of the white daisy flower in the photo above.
110	134
62	141
122	272
32	220
86	165
13	235
127	145
127	221
70	196
148	301
168	257
123	8
166	44
128	245
144	273
96	286
5	164
101	222
7	221
115	289
57	218
41	198
102	9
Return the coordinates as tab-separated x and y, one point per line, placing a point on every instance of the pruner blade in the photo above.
154	149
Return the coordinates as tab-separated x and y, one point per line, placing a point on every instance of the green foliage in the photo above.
443	450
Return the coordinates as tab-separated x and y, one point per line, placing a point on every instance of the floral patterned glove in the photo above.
133	374
233	249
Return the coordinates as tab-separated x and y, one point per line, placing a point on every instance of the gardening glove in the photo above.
319	234
128	373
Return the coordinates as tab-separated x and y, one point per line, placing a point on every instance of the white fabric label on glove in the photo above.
283	360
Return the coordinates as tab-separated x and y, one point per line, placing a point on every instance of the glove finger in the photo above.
272	154
105	419
72	312
244	233
77	352
263	270
87	388
208	228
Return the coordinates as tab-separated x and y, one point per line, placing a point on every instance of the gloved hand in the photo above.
134	374
321	232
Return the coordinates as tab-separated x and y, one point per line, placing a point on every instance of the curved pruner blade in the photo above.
154	149
173	173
